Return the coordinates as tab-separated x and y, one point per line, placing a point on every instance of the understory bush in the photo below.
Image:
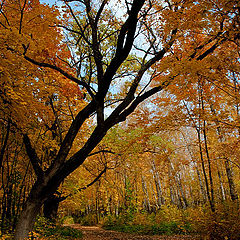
143	223
67	220
171	228
44	229
86	220
223	224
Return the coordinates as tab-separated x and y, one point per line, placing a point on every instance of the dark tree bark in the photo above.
212	202
4	145
50	207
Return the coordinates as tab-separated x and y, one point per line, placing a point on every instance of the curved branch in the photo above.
85	187
64	73
101	151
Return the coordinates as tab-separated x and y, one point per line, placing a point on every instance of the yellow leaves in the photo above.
6	236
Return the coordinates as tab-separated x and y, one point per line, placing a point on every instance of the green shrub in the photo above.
88	220
141	229
163	228
67	220
45	228
171	228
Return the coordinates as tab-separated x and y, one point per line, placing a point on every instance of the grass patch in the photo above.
60	232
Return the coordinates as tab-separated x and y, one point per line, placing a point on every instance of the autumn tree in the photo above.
202	102
148	30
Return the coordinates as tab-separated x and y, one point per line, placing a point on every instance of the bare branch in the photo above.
85	187
101	151
21	17
64	73
100	11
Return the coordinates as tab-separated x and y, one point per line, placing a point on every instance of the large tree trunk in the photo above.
27	219
44	187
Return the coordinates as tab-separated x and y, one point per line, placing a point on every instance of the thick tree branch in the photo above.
59	127
141	98
95	180
211	49
97	58
71	134
124	45
35	161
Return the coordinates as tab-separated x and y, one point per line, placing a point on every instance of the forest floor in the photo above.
98	233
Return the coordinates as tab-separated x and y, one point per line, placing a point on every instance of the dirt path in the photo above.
97	233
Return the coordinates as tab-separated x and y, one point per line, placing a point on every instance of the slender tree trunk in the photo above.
179	199
172	195
201	112
160	199
156	206
4	144
209	167
171	185
185	203
9	203
232	187
204	171
201	103
222	190
197	126
146	195
202	189
233	192
180	193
